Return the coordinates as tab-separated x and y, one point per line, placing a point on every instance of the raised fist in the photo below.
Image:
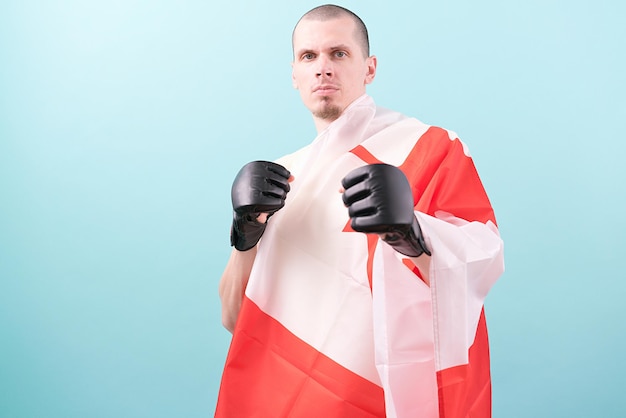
379	200
259	187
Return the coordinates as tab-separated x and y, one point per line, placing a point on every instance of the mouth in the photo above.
325	89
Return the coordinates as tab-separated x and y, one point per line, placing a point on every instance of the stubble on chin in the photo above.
327	111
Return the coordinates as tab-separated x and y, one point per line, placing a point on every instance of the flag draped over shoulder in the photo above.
335	323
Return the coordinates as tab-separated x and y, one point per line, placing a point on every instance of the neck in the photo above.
321	124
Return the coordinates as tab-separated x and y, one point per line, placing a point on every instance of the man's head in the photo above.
331	65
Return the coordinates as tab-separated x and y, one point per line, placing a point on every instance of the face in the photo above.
330	68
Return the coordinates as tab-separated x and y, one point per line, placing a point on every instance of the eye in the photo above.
308	56
340	54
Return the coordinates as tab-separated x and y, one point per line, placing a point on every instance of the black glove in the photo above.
260	187
380	201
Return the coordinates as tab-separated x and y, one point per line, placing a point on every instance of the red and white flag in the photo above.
335	323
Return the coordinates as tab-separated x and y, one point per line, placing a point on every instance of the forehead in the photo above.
312	34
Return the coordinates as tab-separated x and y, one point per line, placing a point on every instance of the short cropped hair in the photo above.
332	11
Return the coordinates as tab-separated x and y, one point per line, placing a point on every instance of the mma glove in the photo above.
259	187
380	201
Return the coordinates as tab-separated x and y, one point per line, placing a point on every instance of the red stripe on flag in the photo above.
270	372
365	155
465	391
444	178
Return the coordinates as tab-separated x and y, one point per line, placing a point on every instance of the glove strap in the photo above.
246	231
409	242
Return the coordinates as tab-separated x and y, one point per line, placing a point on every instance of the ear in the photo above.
371	63
293	78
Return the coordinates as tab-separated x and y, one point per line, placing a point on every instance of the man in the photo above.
361	262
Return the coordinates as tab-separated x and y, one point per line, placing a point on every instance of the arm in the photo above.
233	285
259	190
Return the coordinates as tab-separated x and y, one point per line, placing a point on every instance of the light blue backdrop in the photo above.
123	122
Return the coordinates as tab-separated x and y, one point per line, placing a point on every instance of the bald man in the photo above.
361	262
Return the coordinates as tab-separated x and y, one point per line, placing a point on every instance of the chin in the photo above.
326	109
329	113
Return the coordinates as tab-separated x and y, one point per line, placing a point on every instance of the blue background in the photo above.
123	123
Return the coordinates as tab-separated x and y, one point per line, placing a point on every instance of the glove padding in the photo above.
259	187
379	200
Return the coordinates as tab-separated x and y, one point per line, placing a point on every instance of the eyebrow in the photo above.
341	47
304	51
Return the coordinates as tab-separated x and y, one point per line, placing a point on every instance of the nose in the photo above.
324	67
